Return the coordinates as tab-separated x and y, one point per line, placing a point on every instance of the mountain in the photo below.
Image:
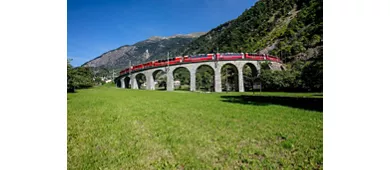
151	49
291	29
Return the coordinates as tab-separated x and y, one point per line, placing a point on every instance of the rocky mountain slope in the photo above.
150	49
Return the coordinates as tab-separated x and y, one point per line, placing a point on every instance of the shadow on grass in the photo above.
70	91
307	103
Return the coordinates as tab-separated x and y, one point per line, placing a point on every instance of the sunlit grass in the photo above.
136	129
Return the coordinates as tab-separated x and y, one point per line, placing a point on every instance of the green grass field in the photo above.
111	128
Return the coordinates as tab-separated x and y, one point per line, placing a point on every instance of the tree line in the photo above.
80	78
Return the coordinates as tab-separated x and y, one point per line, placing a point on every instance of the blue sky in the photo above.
97	26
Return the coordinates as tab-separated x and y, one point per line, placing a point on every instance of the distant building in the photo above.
176	83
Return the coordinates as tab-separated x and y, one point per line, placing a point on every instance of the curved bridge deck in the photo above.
192	68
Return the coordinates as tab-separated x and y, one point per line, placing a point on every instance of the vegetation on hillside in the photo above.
289	29
80	77
299	76
292	26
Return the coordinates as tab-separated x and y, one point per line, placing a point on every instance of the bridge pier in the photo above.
170	85
217	79
133	80
123	83
240	80
149	81
192	80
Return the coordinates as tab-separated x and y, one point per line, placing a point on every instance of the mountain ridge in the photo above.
141	51
191	35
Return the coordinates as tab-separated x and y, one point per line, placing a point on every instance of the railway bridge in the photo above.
129	80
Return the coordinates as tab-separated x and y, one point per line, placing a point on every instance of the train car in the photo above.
198	58
148	65
137	67
159	63
272	58
124	71
254	56
175	60
186	59
278	59
170	61
181	59
230	56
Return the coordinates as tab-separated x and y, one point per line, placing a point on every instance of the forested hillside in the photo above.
290	29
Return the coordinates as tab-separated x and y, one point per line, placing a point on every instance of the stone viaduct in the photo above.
127	80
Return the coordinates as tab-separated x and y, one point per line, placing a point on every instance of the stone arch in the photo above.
250	76
127	82
140	79
252	67
229	77
205	77
157	71
183	76
209	64
159	76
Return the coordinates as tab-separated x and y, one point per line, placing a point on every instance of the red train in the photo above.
255	56
126	70
201	58
164	62
198	58
272	58
230	56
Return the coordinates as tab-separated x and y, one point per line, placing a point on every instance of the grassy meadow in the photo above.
111	128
